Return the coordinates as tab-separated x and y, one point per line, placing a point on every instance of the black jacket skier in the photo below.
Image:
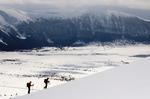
29	84
46	81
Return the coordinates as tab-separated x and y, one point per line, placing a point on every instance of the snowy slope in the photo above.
76	62
9	20
127	82
12	16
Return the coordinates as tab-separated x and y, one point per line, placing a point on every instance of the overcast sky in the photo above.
142	4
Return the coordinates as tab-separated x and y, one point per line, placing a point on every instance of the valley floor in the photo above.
18	68
125	82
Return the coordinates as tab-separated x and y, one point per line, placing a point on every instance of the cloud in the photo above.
144	4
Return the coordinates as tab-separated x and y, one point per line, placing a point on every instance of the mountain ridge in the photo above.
23	31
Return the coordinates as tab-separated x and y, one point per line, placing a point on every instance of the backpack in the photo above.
45	80
28	85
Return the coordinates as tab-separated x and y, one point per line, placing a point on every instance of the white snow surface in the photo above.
1	41
2	21
18	14
125	82
18	68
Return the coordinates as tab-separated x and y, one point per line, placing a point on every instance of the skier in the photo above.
46	81
29	84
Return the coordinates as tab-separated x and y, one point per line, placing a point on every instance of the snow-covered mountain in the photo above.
21	30
9	20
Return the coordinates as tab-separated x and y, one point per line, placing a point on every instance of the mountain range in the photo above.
23	30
